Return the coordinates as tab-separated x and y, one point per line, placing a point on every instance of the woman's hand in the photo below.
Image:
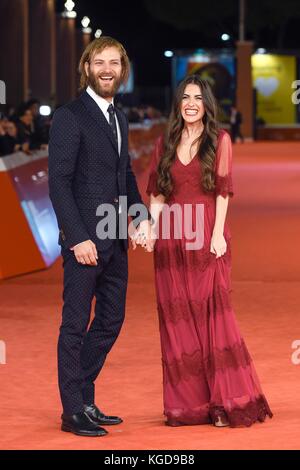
218	244
144	236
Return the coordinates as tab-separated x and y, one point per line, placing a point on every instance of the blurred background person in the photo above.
8	138
39	126
23	122
236	120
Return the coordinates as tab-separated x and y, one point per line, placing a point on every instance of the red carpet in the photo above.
265	222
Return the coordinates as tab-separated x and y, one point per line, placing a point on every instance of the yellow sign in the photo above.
272	76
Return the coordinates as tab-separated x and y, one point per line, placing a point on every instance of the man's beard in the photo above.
93	82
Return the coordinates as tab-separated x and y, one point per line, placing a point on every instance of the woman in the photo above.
208	374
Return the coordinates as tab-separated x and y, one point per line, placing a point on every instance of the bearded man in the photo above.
89	166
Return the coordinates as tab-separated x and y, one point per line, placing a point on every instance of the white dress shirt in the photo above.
103	105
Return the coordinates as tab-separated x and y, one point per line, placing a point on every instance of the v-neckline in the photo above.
187	163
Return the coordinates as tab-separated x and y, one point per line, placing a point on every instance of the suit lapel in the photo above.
99	117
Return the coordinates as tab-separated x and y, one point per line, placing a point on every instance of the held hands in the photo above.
144	236
86	253
218	245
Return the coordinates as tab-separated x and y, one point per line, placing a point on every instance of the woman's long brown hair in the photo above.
206	142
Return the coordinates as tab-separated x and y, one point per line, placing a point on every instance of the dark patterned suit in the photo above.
85	170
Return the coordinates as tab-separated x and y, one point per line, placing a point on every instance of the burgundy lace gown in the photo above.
207	370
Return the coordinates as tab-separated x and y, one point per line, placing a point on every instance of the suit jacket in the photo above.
85	170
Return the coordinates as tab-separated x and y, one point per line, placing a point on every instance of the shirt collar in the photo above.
101	102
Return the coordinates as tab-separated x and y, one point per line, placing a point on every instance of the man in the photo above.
89	165
236	120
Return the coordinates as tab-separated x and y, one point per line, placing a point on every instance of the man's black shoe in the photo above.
100	418
81	425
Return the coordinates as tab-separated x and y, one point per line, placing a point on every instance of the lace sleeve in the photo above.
152	181
223	178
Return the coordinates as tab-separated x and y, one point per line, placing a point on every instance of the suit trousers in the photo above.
83	346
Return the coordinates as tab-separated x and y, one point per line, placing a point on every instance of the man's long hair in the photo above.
96	46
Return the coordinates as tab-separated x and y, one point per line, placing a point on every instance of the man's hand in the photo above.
86	253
